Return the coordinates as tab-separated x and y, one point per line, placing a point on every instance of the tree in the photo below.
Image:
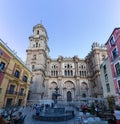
111	102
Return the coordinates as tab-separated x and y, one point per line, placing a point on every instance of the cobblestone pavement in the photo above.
29	120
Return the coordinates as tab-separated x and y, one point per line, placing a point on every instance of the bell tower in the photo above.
37	54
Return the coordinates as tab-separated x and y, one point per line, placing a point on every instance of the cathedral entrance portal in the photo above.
68	91
69	96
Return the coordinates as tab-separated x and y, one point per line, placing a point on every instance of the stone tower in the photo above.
94	60
37	54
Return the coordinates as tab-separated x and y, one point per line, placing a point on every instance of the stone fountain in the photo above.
55	113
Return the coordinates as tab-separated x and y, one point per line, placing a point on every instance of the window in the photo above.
11	89
1	52
2	66
108	87
33	67
117	67
17	74
106	77
119	83
19	102
37	31
104	69
36	44
8	102
51	73
85	73
68	66
112	42
56	73
68	71
21	91
80	73
65	73
71	73
25	78
0	90
115	53
81	66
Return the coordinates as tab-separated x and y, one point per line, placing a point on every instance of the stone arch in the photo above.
52	89
68	91
84	89
53	85
84	86
83	95
69	85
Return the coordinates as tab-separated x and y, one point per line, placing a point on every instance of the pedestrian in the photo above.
97	111
18	117
37	110
117	115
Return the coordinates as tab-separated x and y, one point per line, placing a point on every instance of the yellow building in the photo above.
15	78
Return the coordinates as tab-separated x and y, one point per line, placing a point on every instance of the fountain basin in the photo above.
55	115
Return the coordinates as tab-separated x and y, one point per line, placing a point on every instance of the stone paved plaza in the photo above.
29	120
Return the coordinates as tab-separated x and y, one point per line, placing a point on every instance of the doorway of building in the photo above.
69	96
9	102
19	102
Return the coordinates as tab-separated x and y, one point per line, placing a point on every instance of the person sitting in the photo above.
18	118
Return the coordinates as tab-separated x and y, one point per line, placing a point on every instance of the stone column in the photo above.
48	67
59	69
59	85
77	87
46	88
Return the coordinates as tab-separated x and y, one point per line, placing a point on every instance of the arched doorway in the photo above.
84	95
52	89
69	96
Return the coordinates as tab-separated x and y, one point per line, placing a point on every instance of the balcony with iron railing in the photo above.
11	92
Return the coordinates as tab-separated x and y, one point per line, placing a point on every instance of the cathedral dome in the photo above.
39	26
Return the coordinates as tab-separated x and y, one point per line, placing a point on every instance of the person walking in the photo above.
117	115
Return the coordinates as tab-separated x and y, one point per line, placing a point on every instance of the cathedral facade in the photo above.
76	78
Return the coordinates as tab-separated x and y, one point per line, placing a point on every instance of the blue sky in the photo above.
72	25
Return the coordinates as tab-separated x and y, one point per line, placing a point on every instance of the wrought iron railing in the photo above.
11	92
